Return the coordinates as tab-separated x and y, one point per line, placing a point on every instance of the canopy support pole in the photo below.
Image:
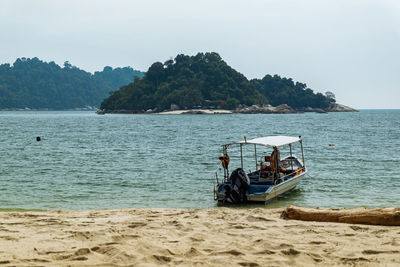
302	153
255	155
241	155
226	172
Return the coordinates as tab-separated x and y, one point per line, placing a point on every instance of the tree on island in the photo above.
40	85
187	81
331	96
205	80
284	91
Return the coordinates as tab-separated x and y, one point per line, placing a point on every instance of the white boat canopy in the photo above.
272	141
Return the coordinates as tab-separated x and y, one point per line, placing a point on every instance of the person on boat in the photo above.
271	169
275	158
273	161
224	160
264	167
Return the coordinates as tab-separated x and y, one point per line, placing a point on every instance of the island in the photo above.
205	83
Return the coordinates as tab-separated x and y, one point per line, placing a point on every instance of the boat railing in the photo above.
293	173
216	174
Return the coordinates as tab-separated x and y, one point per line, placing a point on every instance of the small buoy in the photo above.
331	145
38	138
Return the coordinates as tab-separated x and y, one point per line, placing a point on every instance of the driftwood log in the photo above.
379	216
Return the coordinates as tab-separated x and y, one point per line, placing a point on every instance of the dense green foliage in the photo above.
284	91
36	84
206	80
186	81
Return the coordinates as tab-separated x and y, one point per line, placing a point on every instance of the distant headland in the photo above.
32	84
204	84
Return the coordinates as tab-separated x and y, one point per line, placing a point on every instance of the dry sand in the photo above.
211	237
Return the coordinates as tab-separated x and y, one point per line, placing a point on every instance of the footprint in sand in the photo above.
252	218
80	258
196	239
36	260
393	242
317	242
162	259
82	251
8	231
26	215
265	252
49	221
353	260
373	252
284	245
238	226
249	264
80	235
112	251
233	252
79	255
93	215
358	228
349	234
8	238
122	238
175	223
311	231
192	252
51	252
290	252
380	231
137	224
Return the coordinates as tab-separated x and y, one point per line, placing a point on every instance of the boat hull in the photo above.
276	190
272	192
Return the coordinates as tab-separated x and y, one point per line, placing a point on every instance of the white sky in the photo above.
349	47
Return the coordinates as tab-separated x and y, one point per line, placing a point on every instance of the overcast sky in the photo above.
351	48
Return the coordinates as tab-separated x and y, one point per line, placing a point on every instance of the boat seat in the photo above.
259	188
256	182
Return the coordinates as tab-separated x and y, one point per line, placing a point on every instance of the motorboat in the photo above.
272	175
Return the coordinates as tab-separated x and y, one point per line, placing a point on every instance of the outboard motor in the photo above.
236	191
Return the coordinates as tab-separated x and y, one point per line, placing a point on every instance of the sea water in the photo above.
89	161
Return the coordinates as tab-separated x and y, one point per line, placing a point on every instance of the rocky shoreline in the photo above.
285	109
242	109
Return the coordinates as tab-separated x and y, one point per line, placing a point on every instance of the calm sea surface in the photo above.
88	161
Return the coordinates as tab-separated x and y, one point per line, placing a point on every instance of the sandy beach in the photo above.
196	111
210	237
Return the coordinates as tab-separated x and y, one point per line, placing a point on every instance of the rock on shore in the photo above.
254	109
266	109
340	108
285	109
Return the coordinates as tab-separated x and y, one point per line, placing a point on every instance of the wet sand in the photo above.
210	237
